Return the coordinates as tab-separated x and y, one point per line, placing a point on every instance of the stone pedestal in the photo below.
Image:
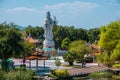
48	43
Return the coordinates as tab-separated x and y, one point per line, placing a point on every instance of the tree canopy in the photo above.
80	48
35	32
65	43
10	39
93	34
110	36
110	43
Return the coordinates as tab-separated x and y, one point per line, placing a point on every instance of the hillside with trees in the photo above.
12	40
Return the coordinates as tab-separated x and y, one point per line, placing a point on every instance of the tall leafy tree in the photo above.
62	32
71	33
93	34
109	41
81	34
110	36
10	39
59	35
80	48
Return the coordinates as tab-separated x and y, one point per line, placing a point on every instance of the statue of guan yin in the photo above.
48	34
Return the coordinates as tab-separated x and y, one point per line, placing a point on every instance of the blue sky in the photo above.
85	14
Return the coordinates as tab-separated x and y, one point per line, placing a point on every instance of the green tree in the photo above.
80	48
69	57
36	32
62	32
81	34
28	30
109	42
10	39
93	34
104	58
99	58
110	36
57	62
59	34
27	48
115	56
65	43
71	33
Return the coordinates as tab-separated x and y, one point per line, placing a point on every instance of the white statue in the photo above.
48	27
48	34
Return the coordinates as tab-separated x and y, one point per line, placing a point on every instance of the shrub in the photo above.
116	77
102	74
61	73
51	75
19	75
116	66
2	75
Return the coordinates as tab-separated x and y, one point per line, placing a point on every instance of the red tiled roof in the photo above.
31	57
39	57
30	39
35	53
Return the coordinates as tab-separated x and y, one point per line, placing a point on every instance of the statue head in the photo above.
48	15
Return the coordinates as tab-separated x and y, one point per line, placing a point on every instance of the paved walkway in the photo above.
87	70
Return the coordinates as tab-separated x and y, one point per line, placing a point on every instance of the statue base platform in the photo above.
48	43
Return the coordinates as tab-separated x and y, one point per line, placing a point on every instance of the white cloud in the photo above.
69	7
22	9
68	13
76	6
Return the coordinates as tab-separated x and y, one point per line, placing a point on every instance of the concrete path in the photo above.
87	70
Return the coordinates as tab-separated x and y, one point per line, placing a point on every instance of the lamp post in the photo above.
36	59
